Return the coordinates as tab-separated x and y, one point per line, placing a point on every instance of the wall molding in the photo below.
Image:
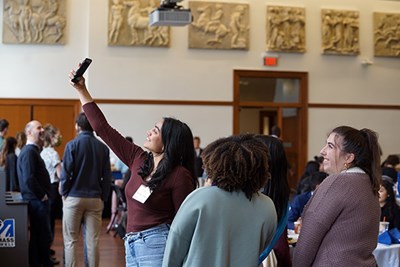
352	106
28	101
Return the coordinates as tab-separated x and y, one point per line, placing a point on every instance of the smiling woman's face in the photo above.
334	157
153	141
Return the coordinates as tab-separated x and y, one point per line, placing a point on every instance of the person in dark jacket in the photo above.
34	184
85	185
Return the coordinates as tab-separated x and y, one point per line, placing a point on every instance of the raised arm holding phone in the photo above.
162	176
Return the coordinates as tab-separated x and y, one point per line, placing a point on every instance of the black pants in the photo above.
55	206
40	233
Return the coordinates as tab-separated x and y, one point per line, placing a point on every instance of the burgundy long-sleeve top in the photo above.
166	199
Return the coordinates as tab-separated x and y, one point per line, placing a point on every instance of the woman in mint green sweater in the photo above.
230	223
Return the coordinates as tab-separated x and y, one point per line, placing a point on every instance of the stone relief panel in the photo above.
128	24
340	32
286	29
219	25
387	34
34	21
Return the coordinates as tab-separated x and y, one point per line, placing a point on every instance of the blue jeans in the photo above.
146	248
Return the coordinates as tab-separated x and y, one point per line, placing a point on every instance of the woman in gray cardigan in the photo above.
340	222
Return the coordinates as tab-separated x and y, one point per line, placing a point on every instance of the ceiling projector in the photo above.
170	14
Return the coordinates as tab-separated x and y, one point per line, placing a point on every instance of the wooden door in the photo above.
62	117
257	93
60	113
17	116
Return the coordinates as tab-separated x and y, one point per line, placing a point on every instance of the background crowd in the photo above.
171	187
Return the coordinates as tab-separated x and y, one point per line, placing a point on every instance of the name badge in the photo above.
142	194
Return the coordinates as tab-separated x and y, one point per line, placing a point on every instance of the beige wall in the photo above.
179	73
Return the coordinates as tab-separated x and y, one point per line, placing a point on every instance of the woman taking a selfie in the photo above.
161	178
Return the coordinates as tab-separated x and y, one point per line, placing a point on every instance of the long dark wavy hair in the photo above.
237	163
178	151
277	188
365	147
390	210
9	145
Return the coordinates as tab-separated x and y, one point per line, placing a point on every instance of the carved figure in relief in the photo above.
52	9
387	35
393	40
54	21
384	29
350	39
286	29
297	34
24	15
137	22
209	23
203	19
154	34
274	22
338	27
215	20
37	25
327	32
238	28
11	9
285	26
115	21
219	25
340	32
216	26
34	21
159	35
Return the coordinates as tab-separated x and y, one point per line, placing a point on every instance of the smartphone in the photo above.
79	73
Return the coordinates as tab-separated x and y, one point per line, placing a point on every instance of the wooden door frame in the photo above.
302	105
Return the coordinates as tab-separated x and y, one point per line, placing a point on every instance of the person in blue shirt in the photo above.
298	203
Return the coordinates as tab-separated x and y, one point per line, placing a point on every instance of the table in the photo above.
387	256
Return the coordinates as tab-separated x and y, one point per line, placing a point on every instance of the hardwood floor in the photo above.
112	251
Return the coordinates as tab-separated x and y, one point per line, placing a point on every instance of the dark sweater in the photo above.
34	180
86	171
165	201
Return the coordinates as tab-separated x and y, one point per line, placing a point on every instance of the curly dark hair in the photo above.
237	163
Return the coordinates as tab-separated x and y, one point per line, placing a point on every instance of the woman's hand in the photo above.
80	87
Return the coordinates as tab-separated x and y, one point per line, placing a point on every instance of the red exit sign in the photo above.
270	61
